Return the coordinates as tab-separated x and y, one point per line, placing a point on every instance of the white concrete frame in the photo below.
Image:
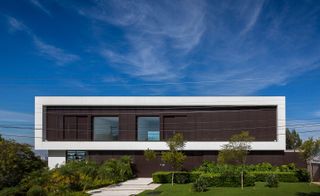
40	102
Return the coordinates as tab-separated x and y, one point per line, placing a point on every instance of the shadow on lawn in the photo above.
308	194
154	193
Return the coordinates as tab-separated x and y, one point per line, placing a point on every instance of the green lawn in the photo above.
284	189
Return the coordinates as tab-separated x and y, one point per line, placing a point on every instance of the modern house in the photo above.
104	127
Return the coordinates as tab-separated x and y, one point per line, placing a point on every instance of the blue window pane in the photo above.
105	128
148	128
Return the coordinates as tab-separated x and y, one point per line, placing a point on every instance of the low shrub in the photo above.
78	176
12	191
211	167
263	167
272	180
211	178
194	176
37	191
228	179
282	176
200	185
180	177
116	169
303	175
161	177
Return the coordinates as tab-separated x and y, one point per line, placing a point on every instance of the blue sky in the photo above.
159	48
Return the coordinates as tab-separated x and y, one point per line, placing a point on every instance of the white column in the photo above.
56	158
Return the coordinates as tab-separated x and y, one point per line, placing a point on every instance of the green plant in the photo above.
236	151
41	178
293	140
182	177
309	149
303	175
194	176
282	176
200	185
272	181
16	161
263	167
150	155
36	191
174	156
161	177
116	169
12	191
228	179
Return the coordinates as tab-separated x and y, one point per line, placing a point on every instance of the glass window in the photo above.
105	128
148	128
76	155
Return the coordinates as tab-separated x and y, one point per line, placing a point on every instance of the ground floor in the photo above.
144	168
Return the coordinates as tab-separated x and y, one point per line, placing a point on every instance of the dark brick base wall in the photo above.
145	168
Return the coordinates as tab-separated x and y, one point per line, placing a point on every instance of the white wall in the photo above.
40	102
56	158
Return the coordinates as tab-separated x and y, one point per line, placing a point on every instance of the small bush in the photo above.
200	185
11	191
181	177
116	169
249	180
303	175
272	181
228	179
211	178
263	167
194	176
282	176
161	177
36	191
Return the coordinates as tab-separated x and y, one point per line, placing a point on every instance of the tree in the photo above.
149	155
293	140
309	150
236	151
174	156
16	161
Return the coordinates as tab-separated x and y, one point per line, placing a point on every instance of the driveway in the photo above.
130	187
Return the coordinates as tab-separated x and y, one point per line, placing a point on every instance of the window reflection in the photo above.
148	128
105	128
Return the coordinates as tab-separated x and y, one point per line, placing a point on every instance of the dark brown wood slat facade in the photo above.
71	123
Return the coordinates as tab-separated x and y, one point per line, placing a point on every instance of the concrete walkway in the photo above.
130	187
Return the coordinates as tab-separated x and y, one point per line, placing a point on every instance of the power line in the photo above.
26	136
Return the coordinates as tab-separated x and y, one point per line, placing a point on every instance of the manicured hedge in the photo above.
224	179
282	176
228	179
179	177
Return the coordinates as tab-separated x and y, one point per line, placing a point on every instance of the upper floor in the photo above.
148	121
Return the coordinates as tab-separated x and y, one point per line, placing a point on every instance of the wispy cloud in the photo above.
41	7
152	32
52	52
253	17
58	55
244	46
11	116
317	113
16	25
